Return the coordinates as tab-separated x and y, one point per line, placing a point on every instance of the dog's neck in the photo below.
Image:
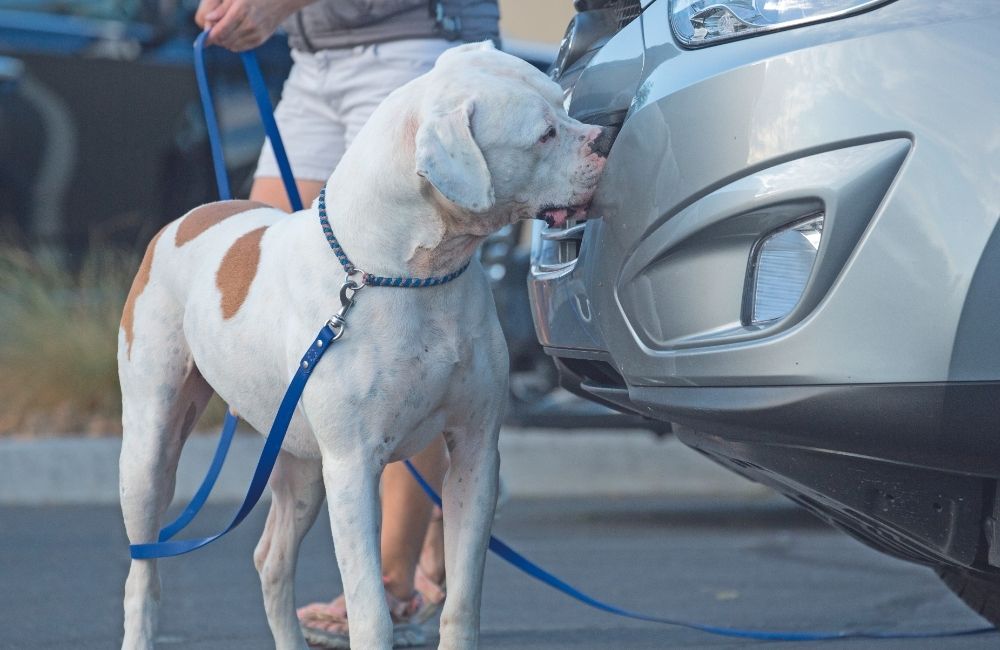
383	235
388	221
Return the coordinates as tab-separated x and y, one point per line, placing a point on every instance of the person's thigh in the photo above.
271	190
309	119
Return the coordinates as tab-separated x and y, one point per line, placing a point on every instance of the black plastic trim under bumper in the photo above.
908	468
951	427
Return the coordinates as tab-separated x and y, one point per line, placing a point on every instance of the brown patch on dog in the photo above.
409	132
202	218
237	271
138	285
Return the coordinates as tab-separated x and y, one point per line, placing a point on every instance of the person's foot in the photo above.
432	593
325	625
429	576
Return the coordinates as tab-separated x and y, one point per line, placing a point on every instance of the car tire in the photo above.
979	591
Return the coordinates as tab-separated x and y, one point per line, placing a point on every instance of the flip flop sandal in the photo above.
403	636
325	625
331	612
433	596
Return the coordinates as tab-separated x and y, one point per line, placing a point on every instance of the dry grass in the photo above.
58	336
58	342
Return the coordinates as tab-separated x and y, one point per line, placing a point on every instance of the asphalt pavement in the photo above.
755	562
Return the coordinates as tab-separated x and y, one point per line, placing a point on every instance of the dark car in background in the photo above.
794	255
102	141
103	137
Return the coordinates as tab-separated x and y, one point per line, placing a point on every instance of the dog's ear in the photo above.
449	158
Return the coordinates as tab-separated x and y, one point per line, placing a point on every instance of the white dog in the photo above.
229	297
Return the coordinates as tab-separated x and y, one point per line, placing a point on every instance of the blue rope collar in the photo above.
376	280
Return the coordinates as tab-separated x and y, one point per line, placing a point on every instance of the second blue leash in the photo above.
525	565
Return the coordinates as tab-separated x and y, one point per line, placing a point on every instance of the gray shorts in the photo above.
330	94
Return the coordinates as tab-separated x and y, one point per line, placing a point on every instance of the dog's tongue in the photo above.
556	217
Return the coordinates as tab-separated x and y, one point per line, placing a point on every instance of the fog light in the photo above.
780	266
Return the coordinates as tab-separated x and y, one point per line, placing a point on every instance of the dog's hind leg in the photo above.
296	496
163	394
469	498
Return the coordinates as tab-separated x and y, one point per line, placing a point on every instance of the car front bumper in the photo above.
886	373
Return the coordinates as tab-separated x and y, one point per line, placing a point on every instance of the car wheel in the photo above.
979	591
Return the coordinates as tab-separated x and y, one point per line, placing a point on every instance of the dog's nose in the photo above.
601	145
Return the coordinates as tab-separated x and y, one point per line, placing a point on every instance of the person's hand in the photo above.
240	25
204	8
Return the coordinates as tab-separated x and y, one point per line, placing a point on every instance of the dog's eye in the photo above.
551	133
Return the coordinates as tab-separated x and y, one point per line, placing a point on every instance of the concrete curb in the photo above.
535	463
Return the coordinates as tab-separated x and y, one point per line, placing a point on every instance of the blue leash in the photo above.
259	89
525	565
268	456
265	464
329	334
332	331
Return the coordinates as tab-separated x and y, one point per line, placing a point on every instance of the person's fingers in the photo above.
205	7
225	30
245	37
250	42
216	13
254	29
241	43
223	7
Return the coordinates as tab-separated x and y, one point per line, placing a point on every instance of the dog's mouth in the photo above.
557	216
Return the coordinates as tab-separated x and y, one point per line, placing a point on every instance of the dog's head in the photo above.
495	142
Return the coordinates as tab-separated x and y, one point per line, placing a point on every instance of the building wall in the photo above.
537	21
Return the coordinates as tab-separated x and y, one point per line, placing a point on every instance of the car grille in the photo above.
559	247
626	11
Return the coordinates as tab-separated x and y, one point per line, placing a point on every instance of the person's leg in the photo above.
308	117
271	190
361	83
406	512
430	566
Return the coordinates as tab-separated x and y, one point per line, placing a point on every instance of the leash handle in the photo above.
259	88
211	121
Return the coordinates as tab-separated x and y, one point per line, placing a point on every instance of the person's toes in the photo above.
335	610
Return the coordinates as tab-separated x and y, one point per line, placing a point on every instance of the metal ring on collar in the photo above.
360	275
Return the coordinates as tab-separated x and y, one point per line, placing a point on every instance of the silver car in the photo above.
794	255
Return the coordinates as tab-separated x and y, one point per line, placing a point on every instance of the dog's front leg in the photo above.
355	518
296	496
470	497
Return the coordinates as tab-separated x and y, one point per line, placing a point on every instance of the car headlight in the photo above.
707	22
